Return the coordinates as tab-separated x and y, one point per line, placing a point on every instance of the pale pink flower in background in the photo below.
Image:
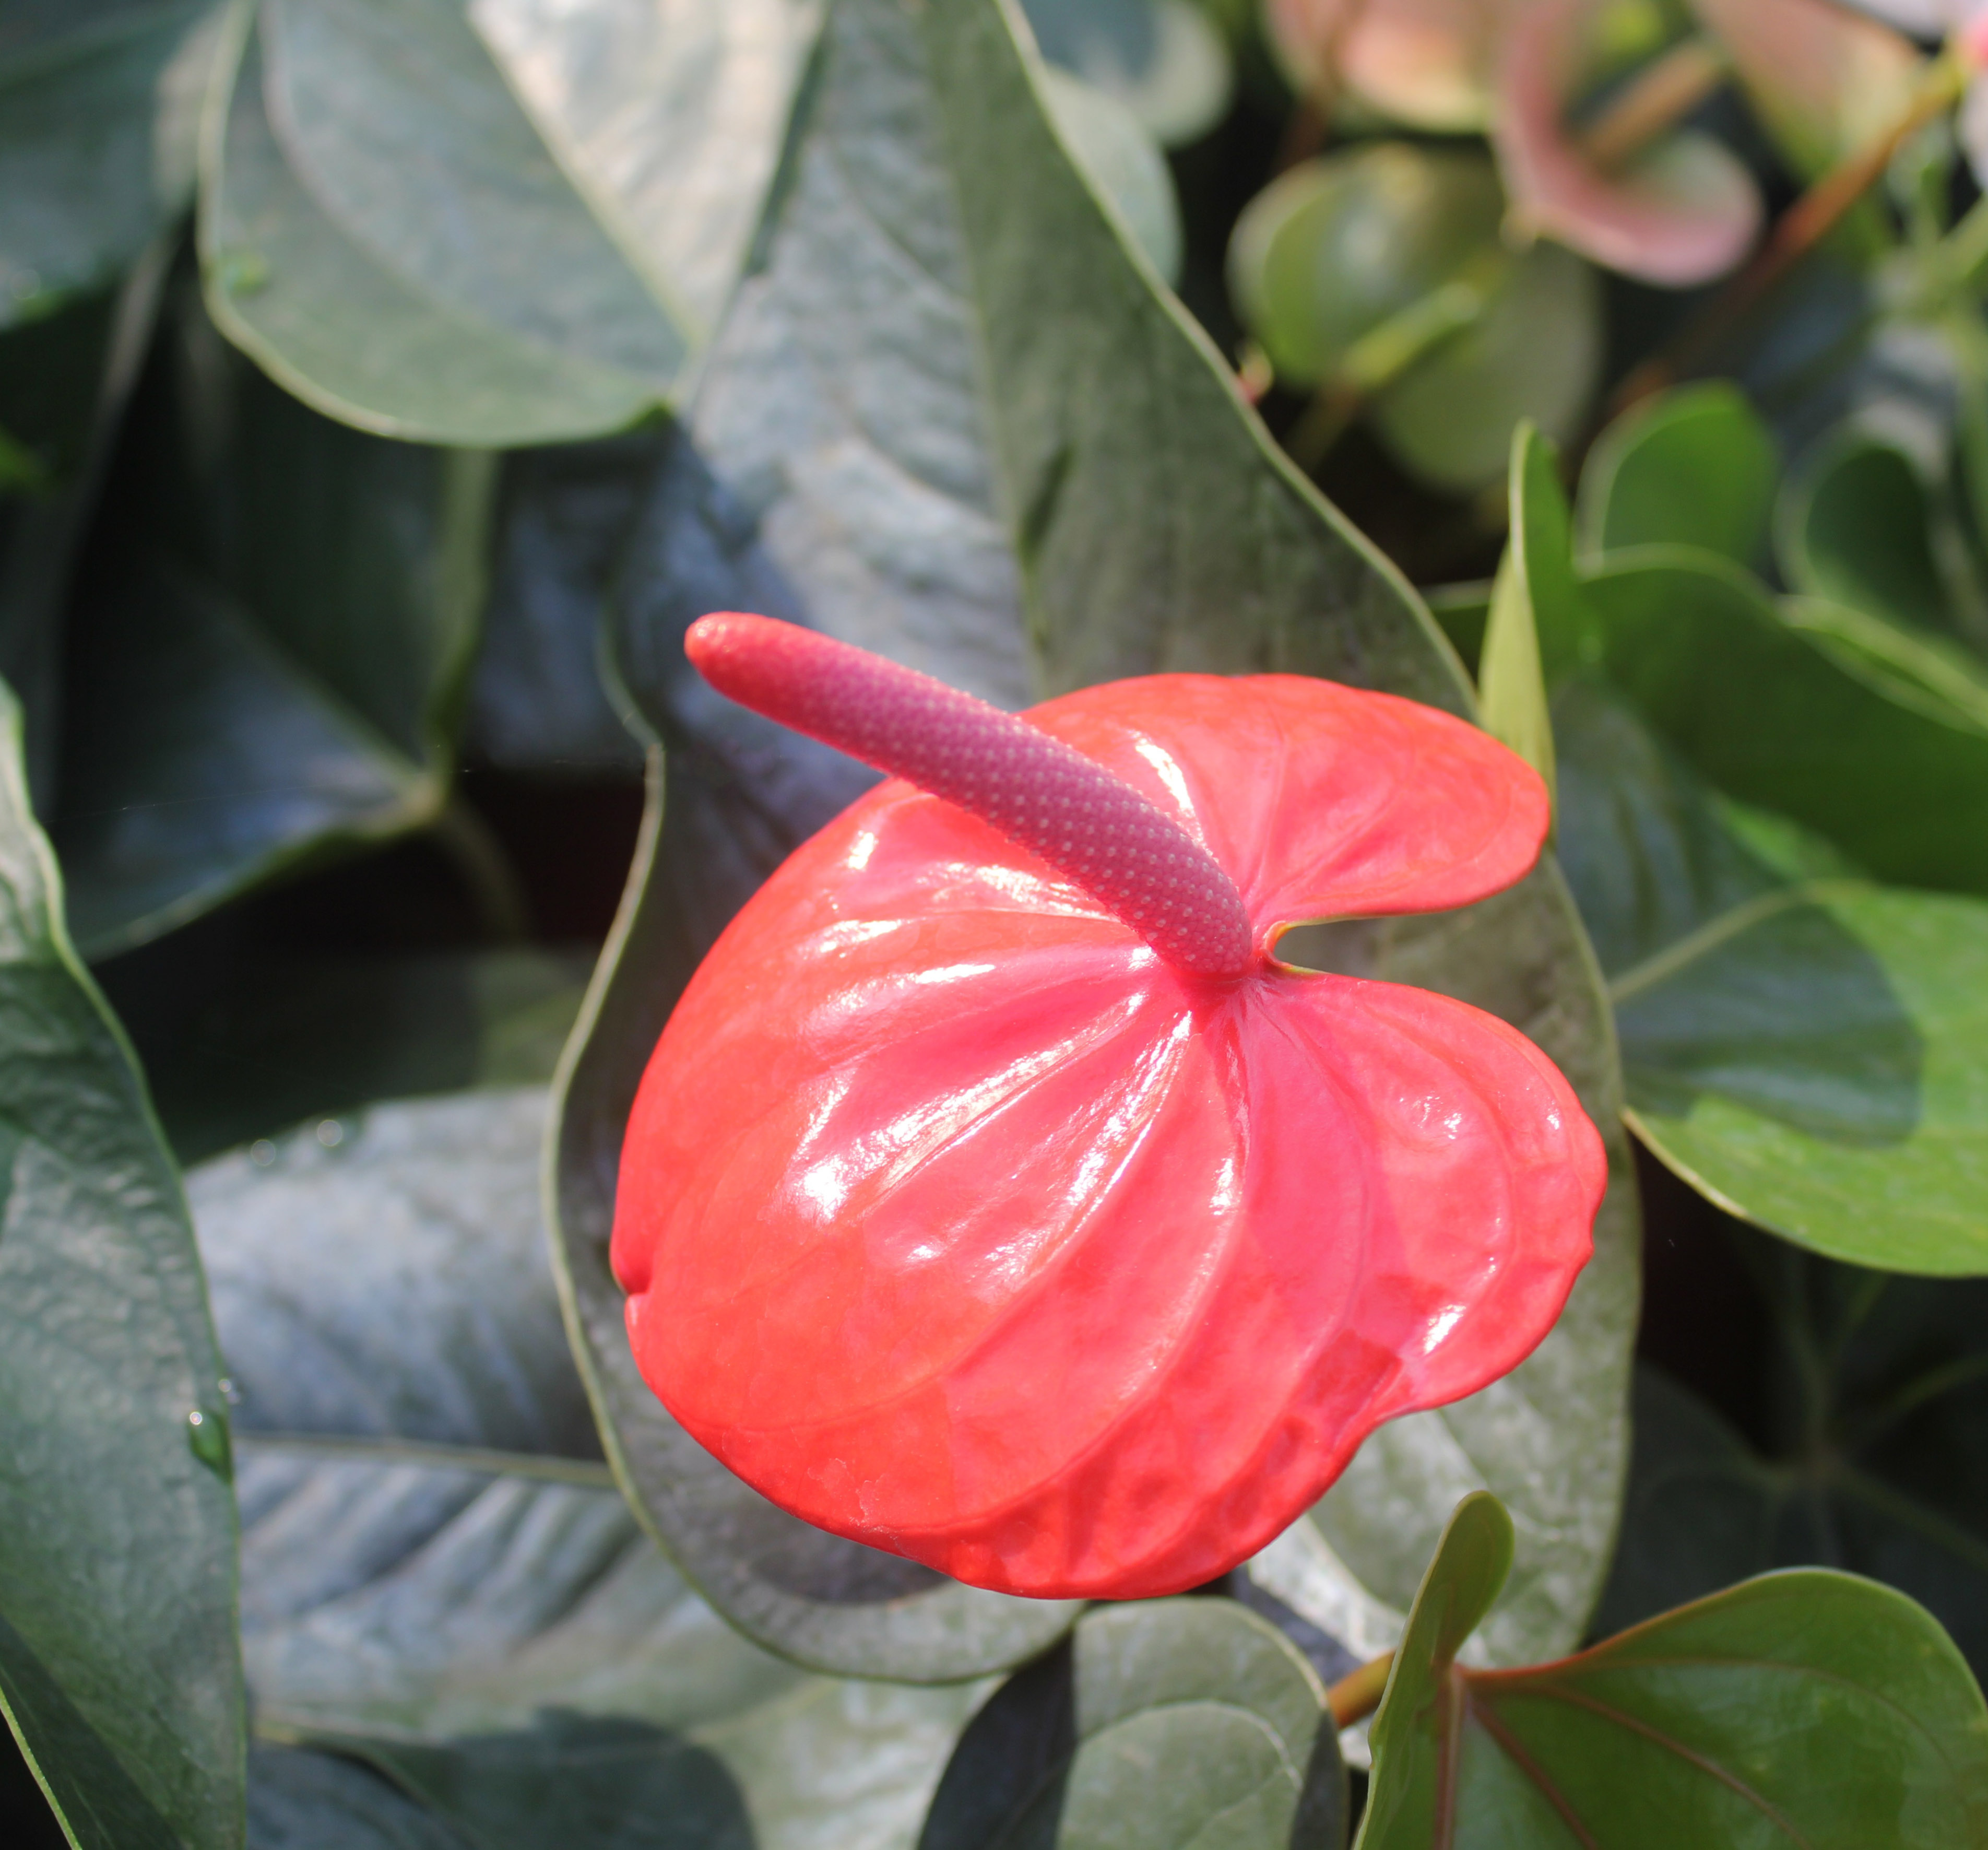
1681	211
1824	80
1425	62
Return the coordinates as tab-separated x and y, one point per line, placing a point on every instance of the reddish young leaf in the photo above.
957	1218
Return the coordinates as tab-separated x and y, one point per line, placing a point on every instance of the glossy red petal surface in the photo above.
955	1220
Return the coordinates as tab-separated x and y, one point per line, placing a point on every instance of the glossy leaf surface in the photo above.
119	1670
808	445
546	211
1812	1706
438	1577
1169	1722
1694	467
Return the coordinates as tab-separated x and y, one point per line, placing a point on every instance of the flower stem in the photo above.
1136	860
1657	98
1357	1695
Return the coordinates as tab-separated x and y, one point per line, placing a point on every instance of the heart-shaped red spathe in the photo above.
955	1220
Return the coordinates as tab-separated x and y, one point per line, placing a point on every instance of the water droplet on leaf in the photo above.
207	1438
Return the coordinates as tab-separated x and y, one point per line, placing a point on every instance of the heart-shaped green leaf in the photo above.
1808	1707
119	1671
499	224
1111	485
1855	527
282	613
1182	1721
1694	466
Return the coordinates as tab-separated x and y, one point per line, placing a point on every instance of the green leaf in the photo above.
440	1577
1535	351
566	515
1871	1458
283	614
64	379
1411	1734
1332	248
118	1667
302	1801
1812	1708
1183	1721
1818	1061
97	114
1107	141
1165	59
1775	716
1694	467
1807	1049
1855	527
1058	441
1535	607
382	1276
494	225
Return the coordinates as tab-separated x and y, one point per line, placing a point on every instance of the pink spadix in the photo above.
1141	865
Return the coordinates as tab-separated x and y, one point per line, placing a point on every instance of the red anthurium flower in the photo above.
995	1197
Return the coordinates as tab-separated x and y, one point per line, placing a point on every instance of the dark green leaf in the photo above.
1186	1721
267	658
1808	1050
1136	547
291	1036
1855	528
1871	1456
302	1801
97	110
118	1665
1811	1708
64	381
1696	467
566	518
1163	59
1774	715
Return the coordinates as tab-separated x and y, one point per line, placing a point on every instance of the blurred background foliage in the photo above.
385	384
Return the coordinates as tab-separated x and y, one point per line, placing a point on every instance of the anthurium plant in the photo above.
928	924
